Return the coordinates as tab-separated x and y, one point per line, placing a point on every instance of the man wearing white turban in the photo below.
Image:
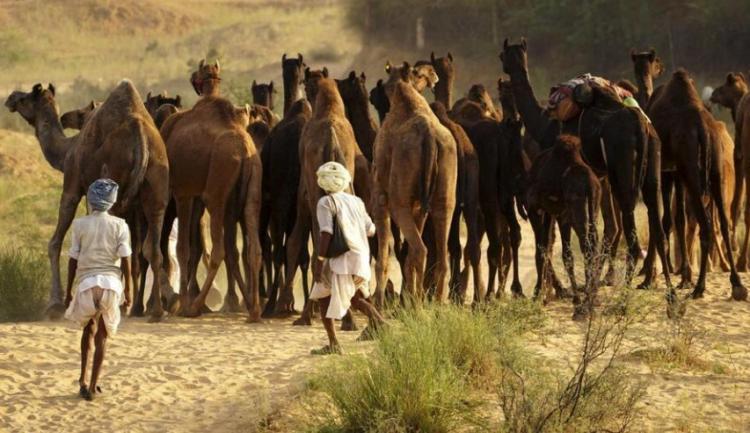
343	281
99	259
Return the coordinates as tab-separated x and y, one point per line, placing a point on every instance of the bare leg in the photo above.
100	343
88	332
328	324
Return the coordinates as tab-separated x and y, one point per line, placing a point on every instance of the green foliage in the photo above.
24	283
13	49
426	371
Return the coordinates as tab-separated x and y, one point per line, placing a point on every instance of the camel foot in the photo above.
231	305
675	308
698	293
685	284
136	310
516	289
55	311
739	292
302	321
610	277
254	317
155	316
348	324
646	285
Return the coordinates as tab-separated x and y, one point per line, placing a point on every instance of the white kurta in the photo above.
346	274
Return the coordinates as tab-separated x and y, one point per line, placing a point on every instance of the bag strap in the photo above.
335	209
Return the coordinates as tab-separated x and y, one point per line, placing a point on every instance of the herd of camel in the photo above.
423	170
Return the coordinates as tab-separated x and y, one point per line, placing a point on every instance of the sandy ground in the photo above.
218	373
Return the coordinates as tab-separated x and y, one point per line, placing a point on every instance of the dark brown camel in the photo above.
214	160
120	136
563	186
733	94
281	179
160	107
446	76
354	94
379	100
411	136
263	94
648	67
616	143
477	95
291	71
685	126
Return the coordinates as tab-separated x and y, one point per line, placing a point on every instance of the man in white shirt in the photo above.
342	281
99	259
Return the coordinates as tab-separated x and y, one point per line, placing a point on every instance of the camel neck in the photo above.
645	89
55	146
364	126
211	87
444	92
736	105
291	95
532	113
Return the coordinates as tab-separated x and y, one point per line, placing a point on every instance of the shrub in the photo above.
420	377
24	283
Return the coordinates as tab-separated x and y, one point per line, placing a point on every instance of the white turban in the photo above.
333	177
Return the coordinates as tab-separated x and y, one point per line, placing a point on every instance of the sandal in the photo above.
327	350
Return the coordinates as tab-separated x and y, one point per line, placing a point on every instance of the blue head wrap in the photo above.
102	195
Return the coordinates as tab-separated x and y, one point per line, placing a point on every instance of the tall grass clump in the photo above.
423	375
24	283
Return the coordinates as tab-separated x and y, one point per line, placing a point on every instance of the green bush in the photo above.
24	284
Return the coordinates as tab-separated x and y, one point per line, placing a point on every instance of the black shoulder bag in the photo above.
338	245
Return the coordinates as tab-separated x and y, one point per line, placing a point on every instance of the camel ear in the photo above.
387	67
523	43
270	86
92	105
450	56
299	57
505	44
148	96
432	57
379	83
741	76
651	55
325	71
51	88
363	77
254	85
200	65
307	73
283	57
352	75
218	67
37	89
632	54
730	78
178	101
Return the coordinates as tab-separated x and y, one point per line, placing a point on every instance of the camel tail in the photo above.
140	163
429	163
704	141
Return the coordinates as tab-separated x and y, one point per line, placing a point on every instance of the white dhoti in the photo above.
97	296
341	289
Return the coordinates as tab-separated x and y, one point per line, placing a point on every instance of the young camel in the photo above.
564	186
415	176
120	136
214	160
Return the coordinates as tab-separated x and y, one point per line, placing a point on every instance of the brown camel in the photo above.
446	76
160	107
291	71
478	95
564	186
647	67
120	136
685	127
214	160
263	94
75	119
415	176
718	256
467	203
733	94
327	136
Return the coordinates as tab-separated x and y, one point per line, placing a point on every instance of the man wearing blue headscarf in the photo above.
99	260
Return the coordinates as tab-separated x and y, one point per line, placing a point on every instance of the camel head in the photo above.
153	102
312	77
514	57
31	105
443	66
425	76
292	70
481	96
731	91
263	94
379	99
352	89
206	79
507	100
75	119
646	63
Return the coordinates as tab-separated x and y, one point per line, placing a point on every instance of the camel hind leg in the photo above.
66	213
155	199
254	253
411	226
